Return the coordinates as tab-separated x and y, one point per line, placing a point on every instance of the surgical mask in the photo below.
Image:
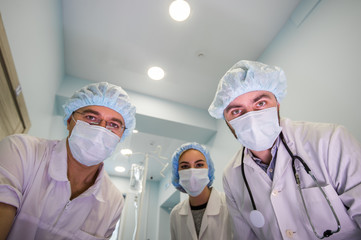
257	130
90	144
194	180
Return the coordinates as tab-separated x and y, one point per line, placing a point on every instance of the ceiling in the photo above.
118	40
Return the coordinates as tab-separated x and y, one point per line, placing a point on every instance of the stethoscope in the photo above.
257	218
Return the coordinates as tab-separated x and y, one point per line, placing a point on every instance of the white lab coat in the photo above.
216	222
334	157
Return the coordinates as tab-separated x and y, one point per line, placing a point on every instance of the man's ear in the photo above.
230	128
68	122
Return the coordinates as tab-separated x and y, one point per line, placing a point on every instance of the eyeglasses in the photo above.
91	118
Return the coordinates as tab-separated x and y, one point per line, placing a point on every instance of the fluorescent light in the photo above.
135	131
119	169
126	152
156	73
179	10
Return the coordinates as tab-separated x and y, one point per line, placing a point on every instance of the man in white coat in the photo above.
291	180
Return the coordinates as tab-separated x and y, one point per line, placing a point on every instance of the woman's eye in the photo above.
200	165
184	167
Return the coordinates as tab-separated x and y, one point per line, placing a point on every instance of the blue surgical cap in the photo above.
175	162
247	76
106	95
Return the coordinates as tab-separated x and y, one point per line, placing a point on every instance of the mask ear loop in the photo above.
256	217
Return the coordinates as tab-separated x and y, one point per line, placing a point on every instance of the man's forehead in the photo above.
101	110
251	96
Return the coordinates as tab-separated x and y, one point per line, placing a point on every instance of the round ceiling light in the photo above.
179	10
119	169
156	73
126	152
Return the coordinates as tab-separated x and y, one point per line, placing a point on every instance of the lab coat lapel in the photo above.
186	210
213	208
284	160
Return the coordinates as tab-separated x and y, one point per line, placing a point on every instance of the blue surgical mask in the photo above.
257	130
194	180
90	144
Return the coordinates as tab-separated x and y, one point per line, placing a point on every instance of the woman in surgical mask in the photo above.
204	214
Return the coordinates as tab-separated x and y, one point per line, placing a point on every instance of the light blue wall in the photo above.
321	59
34	31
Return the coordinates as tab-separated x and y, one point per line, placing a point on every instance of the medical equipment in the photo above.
257	217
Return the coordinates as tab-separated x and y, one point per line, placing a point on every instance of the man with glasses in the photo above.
52	189
290	180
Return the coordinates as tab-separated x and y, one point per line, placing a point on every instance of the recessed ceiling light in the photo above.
156	73
119	169
126	152
179	10
135	131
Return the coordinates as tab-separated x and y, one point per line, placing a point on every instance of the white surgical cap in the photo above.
106	95
247	76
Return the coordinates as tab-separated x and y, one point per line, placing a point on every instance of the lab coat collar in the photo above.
58	170
213	205
58	163
213	208
284	160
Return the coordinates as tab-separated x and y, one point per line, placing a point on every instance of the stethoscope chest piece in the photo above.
256	218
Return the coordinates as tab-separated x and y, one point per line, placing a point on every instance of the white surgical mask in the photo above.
257	130
194	180
90	144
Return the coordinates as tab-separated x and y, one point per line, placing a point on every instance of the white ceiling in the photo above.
118	40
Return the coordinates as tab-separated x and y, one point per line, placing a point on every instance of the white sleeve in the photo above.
344	163
11	171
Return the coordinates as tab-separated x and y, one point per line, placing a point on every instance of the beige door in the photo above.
13	114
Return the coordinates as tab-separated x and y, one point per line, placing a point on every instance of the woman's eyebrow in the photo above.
200	160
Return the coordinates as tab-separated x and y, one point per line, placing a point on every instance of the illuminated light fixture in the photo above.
156	73
126	152
119	169
135	131
179	10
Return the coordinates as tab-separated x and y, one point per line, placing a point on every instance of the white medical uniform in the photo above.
215	225
33	178
333	156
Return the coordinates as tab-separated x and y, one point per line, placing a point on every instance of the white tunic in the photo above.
215	223
334	157
33	178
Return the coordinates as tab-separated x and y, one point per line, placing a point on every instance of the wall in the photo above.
35	36
321	59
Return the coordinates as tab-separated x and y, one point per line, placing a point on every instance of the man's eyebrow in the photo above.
98	114
230	106
91	111
118	120
260	97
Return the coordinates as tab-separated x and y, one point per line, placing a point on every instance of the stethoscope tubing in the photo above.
327	233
